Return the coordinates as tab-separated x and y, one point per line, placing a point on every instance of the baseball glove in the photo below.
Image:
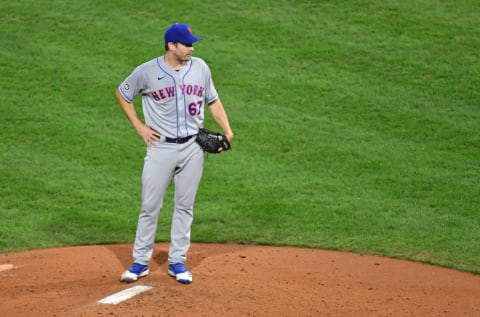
211	141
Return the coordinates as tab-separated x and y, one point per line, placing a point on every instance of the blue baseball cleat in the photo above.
180	272
134	272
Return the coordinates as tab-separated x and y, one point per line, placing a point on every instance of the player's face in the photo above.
183	52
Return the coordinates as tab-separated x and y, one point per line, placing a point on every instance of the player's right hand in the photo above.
148	135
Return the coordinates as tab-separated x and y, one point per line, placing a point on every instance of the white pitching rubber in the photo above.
124	295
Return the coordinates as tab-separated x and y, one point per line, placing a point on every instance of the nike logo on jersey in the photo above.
160	78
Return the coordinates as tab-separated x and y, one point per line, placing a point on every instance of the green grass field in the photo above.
357	124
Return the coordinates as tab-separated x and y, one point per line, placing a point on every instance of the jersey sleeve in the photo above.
132	85
210	92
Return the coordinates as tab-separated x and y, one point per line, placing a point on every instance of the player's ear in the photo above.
170	46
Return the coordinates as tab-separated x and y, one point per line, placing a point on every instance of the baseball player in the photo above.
176	88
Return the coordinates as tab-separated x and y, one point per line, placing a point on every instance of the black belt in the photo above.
179	140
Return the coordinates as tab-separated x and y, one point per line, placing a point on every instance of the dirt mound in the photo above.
233	280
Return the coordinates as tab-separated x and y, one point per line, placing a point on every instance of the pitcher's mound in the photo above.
232	280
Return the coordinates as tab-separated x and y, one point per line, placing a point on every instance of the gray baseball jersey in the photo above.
173	101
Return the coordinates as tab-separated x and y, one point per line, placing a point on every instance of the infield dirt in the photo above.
233	280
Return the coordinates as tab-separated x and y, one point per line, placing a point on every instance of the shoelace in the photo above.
179	268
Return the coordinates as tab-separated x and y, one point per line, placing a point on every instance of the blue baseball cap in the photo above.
180	33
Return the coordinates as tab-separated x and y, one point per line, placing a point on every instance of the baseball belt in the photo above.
179	140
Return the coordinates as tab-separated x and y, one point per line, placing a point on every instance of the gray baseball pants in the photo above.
163	162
